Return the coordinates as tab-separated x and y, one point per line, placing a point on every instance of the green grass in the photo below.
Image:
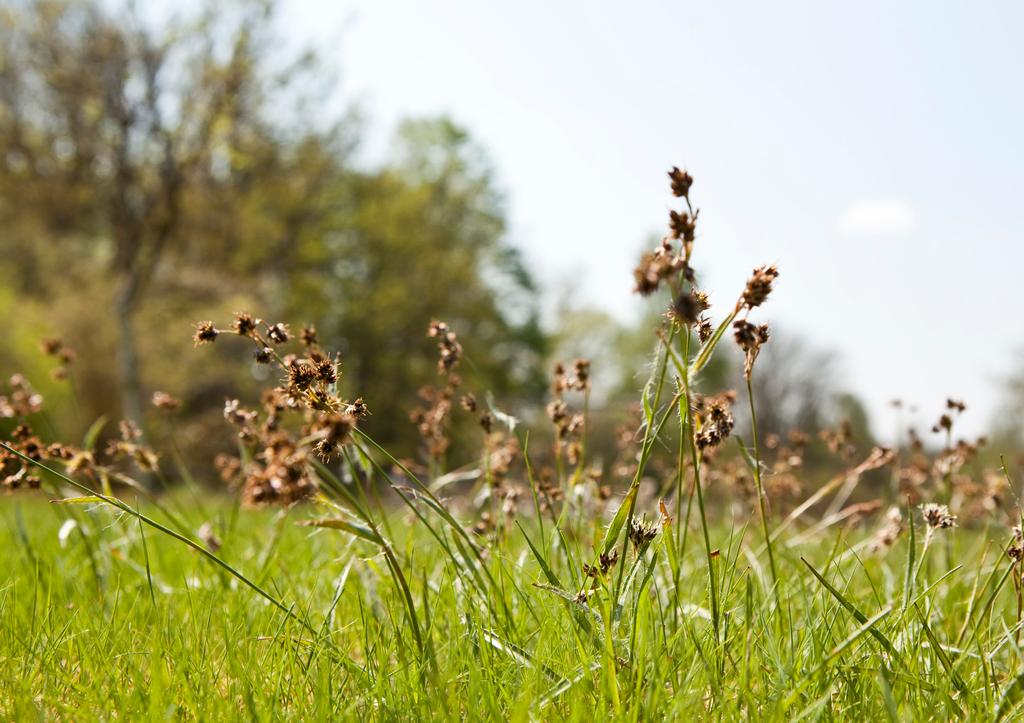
350	608
116	617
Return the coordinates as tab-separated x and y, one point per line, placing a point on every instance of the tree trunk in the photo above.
130	386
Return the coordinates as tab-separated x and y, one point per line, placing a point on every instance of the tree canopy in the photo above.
152	173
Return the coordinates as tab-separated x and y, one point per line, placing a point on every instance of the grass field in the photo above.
110	619
694	575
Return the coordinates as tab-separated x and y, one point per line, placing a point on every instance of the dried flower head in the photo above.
357	408
682	225
301	374
581	375
681	182
205	333
688	307
129	430
750	338
51	346
659	265
937	516
228	465
244	324
1015	550
326	370
332	431
448	346
308	336
129	447
278	333
432	420
945	423
163	400
716	424
704	329
759	286
641	533
605	563
235	414
22	400
558	411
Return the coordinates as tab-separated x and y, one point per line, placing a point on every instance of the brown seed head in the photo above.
278	333
716	425
205	333
235	414
661	264
759	286
689	306
937	516
557	410
129	430
301	375
448	346
163	400
333	430
581	375
308	336
641	533
749	336
704	329
682	225
326	370
244	324
51	346
681	182
357	408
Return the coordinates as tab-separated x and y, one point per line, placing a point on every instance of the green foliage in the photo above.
188	642
154	171
424	239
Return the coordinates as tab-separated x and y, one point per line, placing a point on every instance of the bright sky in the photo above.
872	150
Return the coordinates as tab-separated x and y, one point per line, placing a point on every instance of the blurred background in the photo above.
369	166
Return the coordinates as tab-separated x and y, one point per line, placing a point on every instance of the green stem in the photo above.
692	437
650	437
761	500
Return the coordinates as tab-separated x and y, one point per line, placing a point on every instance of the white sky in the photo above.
872	150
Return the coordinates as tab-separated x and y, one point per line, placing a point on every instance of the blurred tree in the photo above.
154	171
423	238
116	135
794	386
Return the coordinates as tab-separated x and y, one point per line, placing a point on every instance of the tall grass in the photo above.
344	604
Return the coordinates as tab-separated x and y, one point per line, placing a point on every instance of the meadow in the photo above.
709	574
109	616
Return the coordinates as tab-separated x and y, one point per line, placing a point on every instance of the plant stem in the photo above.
761	500
692	438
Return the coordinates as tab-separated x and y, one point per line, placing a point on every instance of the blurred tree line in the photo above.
158	171
155	171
